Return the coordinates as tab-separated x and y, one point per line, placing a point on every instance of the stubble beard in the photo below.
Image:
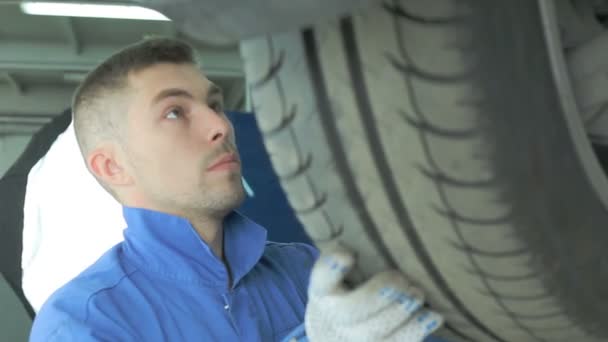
216	202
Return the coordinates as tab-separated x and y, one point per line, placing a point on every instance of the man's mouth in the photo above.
226	161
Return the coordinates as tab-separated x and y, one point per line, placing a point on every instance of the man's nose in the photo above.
219	128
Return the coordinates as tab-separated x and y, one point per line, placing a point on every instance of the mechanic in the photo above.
152	130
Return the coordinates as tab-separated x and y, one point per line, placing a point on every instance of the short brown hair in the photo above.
94	115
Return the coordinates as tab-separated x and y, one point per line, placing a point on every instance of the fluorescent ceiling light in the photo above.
72	9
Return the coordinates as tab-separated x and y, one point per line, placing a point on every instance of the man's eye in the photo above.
174	113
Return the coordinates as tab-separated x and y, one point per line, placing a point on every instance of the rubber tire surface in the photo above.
225	22
430	136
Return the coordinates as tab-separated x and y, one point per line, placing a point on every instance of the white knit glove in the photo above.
385	308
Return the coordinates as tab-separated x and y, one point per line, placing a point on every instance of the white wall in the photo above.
11	147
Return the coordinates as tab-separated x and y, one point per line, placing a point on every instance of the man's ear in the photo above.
106	164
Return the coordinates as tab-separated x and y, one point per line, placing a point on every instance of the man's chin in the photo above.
239	198
230	200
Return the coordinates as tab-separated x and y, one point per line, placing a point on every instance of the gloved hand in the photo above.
385	308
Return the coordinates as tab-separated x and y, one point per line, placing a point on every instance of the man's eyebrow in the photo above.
171	92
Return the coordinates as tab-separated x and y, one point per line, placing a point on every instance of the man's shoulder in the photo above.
109	270
291	252
68	307
295	260
286	268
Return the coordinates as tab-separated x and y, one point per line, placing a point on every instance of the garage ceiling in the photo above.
43	58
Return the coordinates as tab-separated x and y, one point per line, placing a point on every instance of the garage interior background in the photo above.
42	60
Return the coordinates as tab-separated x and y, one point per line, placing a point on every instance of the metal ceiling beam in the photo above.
19	56
43	100
16	133
24	120
33	116
9	126
72	35
23	124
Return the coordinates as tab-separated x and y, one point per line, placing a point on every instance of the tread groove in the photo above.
538	317
274	69
318	203
441	177
519	298
454	216
505	278
398	11
285	122
489	254
411	69
408	74
440	132
389	184
300	169
335	145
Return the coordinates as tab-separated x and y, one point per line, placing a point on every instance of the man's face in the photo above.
176	133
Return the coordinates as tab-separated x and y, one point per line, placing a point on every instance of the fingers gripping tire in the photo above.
432	136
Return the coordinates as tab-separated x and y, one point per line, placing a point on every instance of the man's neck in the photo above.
212	232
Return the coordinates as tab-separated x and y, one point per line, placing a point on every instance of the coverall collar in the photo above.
168	245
